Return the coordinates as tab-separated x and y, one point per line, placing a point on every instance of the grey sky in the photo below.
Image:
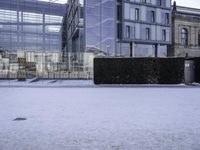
188	3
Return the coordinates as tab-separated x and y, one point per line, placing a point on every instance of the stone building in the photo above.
185	32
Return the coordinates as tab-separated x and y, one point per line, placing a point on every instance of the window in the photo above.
137	14
167	18
147	33
144	1
152	16
184	37
164	35
128	31
132	32
159	2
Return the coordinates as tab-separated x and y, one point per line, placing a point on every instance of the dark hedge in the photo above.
138	70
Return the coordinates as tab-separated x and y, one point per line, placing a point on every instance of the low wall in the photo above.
138	70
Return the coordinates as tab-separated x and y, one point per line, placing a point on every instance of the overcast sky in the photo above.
188	3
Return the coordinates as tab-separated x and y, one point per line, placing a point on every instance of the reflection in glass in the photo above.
100	26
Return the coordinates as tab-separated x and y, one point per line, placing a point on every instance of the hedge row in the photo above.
138	70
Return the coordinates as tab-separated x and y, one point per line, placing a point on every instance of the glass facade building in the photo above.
89	29
30	25
30	39
82	29
125	28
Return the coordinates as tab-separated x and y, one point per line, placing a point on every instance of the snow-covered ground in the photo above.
75	83
100	118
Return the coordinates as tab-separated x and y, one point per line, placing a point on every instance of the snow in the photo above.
76	83
110	118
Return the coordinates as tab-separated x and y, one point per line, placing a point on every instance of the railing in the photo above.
46	75
45	65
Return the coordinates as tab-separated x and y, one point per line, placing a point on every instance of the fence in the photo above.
44	65
47	75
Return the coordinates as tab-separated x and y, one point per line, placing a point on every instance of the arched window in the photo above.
184	37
